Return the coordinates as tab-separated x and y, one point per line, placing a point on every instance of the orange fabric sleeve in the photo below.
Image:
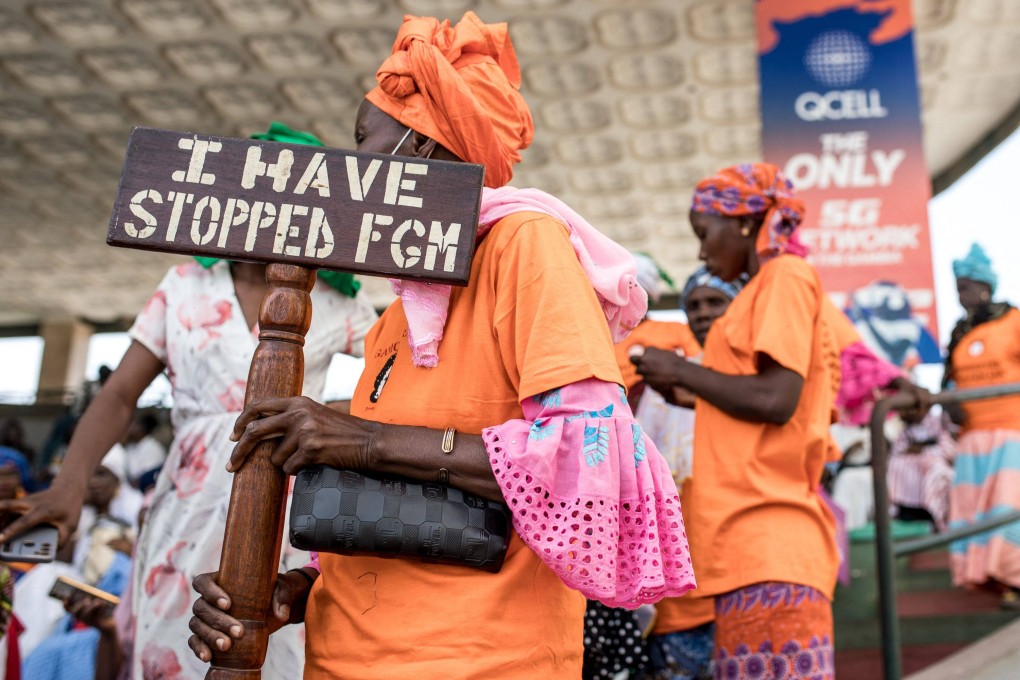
783	319
842	328
548	321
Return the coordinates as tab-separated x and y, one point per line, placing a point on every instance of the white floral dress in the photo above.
194	325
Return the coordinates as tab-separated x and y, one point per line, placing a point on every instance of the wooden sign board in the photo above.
253	200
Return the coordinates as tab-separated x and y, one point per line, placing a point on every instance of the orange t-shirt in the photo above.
754	511
844	334
843	329
990	355
677	614
649	333
527	322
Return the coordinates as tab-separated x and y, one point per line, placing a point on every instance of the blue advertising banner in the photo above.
841	116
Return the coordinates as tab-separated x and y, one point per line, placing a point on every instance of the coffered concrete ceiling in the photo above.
634	101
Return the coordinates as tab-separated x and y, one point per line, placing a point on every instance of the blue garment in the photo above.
685	655
9	456
703	279
977	267
71	654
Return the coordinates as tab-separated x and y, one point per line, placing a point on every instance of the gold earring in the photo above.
985	296
745	232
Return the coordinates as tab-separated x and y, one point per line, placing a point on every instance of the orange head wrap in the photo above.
459	86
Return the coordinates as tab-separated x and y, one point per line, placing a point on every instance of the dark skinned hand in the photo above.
922	397
214	627
660	369
678	396
52	506
92	611
122	544
309	433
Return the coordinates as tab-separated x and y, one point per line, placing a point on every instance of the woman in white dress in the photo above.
200	326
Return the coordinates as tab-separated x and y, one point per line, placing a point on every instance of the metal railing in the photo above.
886	550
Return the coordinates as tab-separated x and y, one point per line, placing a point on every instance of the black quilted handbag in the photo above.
348	513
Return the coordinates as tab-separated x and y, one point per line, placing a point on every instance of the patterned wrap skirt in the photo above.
774	631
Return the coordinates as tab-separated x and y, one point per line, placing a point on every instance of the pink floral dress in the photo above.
194	324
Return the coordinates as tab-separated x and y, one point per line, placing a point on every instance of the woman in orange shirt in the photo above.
762	539
983	350
517	368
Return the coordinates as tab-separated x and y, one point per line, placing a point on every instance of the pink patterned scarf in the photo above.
610	268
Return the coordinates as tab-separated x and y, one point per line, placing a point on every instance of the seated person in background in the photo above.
94	612
107	643
921	470
100	547
71	651
144	453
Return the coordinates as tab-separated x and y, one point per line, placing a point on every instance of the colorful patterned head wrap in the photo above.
342	282
977	267
460	86
751	189
703	279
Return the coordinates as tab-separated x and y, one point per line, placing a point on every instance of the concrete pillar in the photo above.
66	345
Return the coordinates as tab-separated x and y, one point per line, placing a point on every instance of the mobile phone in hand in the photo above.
38	544
64	589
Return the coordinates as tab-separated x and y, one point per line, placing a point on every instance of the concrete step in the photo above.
949	628
995	657
866	664
943	602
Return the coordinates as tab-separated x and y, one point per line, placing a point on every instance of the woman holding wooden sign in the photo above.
507	389
199	327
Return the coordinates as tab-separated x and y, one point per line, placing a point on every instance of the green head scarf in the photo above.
343	282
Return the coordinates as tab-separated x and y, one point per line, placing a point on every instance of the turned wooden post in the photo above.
250	556
303	208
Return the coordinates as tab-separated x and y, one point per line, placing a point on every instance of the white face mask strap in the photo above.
401	142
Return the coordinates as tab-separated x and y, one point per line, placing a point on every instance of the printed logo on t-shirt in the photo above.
976	348
380	380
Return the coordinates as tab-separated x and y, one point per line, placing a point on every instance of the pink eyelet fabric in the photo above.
591	495
864	374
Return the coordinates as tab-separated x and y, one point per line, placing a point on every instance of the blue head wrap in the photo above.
976	267
11	458
702	279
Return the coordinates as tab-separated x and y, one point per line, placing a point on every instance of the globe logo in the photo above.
837	58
